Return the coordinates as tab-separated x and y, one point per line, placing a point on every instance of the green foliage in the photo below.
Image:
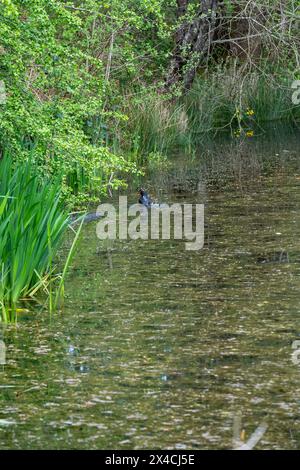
32	224
56	90
81	80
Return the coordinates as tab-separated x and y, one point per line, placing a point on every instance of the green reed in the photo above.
32	225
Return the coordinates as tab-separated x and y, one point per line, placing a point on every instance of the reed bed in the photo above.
32	225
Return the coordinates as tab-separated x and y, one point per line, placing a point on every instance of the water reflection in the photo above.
163	350
2	352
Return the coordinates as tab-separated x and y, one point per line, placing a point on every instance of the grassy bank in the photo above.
226	100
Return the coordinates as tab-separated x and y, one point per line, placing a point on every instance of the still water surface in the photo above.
161	348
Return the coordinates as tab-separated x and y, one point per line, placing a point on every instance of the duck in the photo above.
144	198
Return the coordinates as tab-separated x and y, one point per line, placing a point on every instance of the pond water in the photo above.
163	348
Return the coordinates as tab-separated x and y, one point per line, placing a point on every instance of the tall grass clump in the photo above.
32	224
228	98
156	126
234	98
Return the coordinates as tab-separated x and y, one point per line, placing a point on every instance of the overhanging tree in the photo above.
193	40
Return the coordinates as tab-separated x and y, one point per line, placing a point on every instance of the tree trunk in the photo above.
192	42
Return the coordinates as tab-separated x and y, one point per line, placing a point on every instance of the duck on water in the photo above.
144	199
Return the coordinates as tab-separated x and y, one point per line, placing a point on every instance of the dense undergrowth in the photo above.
82	85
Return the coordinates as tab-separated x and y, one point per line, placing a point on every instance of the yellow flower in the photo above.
250	112
249	133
